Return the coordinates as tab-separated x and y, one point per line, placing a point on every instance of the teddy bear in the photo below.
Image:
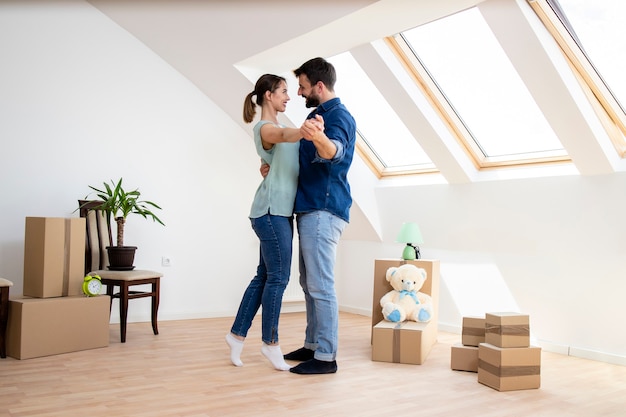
405	301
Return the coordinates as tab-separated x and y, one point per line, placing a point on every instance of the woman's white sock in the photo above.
275	356
236	346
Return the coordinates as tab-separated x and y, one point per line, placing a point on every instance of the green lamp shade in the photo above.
410	233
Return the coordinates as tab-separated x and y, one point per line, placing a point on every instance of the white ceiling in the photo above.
223	46
205	40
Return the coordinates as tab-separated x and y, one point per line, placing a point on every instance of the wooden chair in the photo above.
96	261
5	284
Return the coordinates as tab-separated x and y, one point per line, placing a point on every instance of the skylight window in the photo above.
600	25
592	34
482	88
379	126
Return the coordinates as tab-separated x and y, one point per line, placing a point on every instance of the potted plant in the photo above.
119	204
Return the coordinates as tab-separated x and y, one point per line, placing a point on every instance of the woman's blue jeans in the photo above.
319	233
272	276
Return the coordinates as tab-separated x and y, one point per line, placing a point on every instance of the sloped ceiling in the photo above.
210	42
204	40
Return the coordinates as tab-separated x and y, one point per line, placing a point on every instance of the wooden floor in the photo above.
185	371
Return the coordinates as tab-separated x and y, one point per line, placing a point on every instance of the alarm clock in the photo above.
92	285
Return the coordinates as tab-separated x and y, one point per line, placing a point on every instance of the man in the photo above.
322	208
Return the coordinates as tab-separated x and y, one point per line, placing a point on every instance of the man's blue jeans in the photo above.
319	234
272	276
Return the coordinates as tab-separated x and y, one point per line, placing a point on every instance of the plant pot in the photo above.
121	258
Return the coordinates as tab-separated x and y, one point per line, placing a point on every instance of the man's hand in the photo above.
312	127
313	130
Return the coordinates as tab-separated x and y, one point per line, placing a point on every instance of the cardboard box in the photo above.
509	369
473	332
49	326
74	266
407	342
422	335
507	330
382	287
464	358
54	256
44	257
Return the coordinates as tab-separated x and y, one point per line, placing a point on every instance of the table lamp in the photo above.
412	236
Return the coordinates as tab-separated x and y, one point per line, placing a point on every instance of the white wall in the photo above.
83	102
552	248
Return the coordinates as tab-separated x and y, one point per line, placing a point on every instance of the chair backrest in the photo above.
98	235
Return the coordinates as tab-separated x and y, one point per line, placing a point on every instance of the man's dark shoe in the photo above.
302	354
314	367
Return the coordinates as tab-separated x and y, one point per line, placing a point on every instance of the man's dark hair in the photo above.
318	69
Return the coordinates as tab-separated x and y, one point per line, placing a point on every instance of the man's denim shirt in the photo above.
323	183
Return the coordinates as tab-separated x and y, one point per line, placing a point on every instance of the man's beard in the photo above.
312	101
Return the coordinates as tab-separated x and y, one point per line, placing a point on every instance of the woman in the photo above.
272	219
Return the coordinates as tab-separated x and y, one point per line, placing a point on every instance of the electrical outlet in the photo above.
166	261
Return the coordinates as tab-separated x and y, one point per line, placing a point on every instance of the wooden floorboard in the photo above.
185	371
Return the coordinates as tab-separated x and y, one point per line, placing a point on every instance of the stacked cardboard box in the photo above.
506	361
408	342
464	356
54	256
50	326
497	347
53	316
